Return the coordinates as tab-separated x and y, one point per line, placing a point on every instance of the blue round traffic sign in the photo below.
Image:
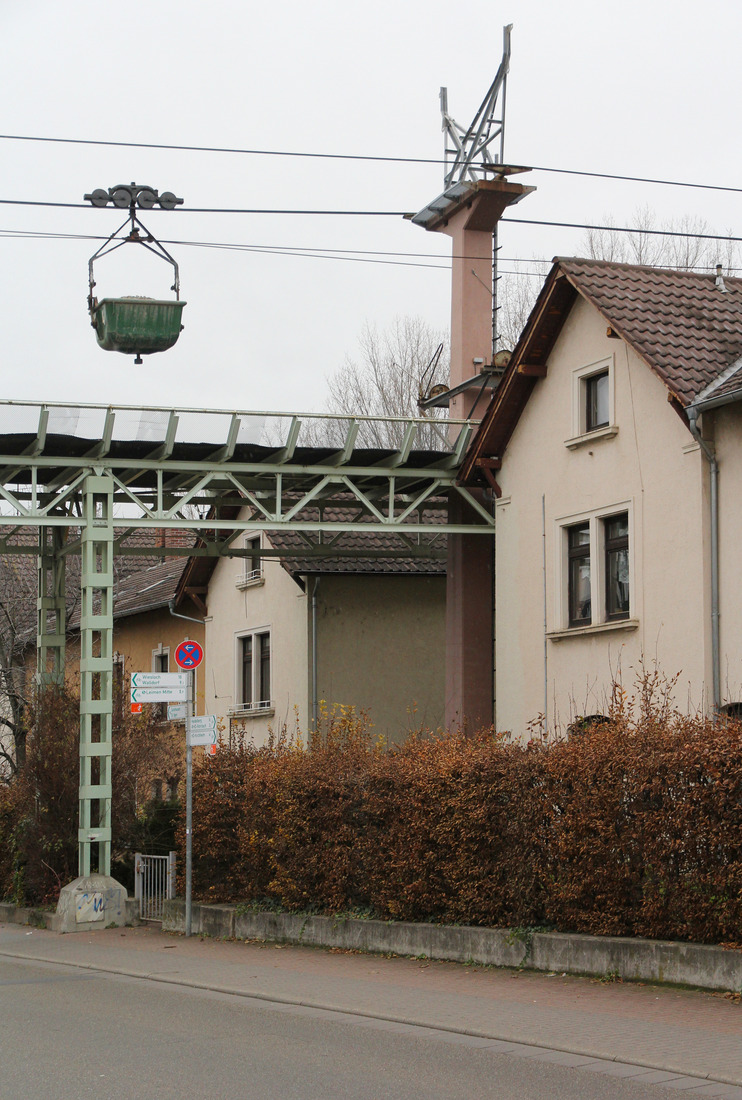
189	655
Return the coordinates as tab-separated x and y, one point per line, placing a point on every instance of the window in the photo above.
617	567
579	575
593	413
252	572
255	671
597	404
160	663
596	571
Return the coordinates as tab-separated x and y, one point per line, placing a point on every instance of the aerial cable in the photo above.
366	157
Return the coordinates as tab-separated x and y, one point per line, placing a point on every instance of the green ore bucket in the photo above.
137	326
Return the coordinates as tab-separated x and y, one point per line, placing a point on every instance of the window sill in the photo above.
597	628
248	710
590	437
249	581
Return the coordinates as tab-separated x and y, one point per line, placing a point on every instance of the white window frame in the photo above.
580	377
161	651
240	708
596	519
248	577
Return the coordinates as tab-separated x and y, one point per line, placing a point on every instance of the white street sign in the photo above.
202	730
159	694
176	711
159	679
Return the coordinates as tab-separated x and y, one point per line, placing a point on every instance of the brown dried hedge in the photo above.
630	828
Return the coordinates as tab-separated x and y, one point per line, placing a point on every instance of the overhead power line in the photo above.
365	157
639	230
357	254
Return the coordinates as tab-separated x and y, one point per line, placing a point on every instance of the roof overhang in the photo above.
527	365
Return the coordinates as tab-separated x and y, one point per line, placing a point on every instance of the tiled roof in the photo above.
685	327
147	589
688	329
356	540
141	583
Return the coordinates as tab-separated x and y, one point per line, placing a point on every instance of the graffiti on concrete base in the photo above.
90	907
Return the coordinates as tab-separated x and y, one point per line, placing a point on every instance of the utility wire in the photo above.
366	157
363	255
687	234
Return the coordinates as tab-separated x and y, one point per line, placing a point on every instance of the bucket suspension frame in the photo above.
138	234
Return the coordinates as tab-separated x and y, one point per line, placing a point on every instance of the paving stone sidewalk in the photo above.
668	1030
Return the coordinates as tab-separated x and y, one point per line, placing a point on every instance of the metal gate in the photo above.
154	882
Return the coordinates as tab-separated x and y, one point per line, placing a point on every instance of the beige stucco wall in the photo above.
724	429
381	648
650	468
137	637
277	604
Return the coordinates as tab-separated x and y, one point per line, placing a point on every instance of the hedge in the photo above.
632	828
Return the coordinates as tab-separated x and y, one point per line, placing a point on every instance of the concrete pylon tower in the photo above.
477	193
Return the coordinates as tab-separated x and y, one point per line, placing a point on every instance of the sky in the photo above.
645	89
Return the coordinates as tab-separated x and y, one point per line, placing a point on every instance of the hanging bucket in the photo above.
137	326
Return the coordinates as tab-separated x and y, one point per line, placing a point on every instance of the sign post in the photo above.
189	816
188	656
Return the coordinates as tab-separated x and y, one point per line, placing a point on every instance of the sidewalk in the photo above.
672	1030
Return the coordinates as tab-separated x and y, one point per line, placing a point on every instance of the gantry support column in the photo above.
470	219
50	609
96	676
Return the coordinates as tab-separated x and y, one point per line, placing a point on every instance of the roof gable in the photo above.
684	326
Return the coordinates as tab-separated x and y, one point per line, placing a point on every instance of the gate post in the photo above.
50	609
171	876
96	674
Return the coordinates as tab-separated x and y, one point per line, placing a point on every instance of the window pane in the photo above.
618	583
247	669
597	411
579	582
618	528
580	603
265	668
617	567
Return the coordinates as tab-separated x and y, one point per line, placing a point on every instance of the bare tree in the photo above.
680	244
395	369
517	292
17	629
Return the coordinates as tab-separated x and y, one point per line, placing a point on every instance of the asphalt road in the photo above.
67	1033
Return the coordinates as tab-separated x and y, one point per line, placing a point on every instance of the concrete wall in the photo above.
648	466
278	604
381	648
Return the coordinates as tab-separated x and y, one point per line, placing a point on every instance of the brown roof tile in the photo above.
356	539
686	328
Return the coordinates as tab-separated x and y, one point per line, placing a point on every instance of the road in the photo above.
72	1031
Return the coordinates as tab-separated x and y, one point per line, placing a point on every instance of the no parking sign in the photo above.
189	654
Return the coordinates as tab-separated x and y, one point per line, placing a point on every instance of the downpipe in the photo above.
714	521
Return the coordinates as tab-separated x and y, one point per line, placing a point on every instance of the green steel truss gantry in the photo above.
85	479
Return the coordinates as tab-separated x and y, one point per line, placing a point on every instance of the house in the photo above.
145	631
613	446
288	629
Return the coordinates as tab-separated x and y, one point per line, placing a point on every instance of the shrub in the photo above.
631	827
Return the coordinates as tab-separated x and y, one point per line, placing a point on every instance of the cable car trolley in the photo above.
135	325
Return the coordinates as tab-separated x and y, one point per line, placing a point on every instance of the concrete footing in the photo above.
90	902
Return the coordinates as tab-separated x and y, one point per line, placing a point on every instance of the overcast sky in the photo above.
646	89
